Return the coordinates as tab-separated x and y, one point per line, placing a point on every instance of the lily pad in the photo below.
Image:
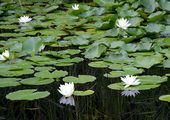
99	64
81	79
127	71
17	72
147	82
36	81
165	98
83	93
44	68
46	74
120	86
8	82
95	51
147	61
28	94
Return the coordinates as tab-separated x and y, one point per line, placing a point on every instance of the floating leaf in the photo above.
120	86
17	72
44	68
154	28
81	79
149	5
46	74
8	82
127	71
156	16
147	82
147	61
99	64
165	98
32	45
83	93
165	5
36	81
28	94
95	51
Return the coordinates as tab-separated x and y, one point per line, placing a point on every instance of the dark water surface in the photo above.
104	104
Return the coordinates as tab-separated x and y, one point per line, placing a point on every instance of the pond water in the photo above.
104	104
115	52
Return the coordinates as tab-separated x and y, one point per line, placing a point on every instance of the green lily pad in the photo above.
120	86
32	45
127	71
64	64
147	82
70	60
46	74
147	61
81	79
155	28
8	82
28	94
156	16
147	79
41	60
17	72
36	81
150	5
95	51
165	98
83	93
165	4
99	64
44	68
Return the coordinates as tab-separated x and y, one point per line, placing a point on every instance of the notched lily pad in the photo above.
28	94
120	86
80	79
126	71
46	74
147	82
36	81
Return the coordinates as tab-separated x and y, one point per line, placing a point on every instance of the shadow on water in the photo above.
104	104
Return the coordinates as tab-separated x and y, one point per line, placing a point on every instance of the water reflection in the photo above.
130	93
67	100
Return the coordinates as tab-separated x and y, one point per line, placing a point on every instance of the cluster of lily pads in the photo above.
126	37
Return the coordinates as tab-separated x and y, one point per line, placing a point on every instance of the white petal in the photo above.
2	57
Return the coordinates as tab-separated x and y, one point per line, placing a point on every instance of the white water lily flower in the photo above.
24	19
123	23
67	89
75	7
4	55
41	47
67	100
130	80
130	93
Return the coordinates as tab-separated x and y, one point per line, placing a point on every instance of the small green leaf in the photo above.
165	98
83	93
